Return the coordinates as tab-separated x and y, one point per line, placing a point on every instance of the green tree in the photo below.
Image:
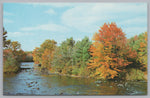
6	43
15	46
81	53
81	56
63	60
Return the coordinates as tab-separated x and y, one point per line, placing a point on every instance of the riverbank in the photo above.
133	75
8	72
77	76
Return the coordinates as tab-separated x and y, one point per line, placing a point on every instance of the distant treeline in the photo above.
109	56
13	55
28	57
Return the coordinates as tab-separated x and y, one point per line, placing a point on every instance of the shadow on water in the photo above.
31	82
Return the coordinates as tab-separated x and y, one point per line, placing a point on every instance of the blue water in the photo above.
31	82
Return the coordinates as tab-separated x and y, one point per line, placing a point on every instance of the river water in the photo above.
31	82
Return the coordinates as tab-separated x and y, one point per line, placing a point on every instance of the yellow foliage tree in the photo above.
109	52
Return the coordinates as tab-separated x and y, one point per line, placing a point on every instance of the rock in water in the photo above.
78	93
120	85
98	82
37	88
126	84
61	94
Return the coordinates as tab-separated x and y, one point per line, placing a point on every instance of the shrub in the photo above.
135	74
75	71
10	64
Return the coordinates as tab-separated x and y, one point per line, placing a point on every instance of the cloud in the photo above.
19	34
50	11
57	5
48	27
7	13
138	21
8	21
78	39
132	31
88	17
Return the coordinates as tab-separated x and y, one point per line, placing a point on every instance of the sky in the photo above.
32	23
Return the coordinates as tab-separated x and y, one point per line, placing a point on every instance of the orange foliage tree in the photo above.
44	54
109	52
36	55
47	58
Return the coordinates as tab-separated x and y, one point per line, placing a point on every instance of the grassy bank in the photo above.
136	74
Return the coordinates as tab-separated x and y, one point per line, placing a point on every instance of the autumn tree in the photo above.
109	52
10	63
15	46
142	54
138	69
28	57
139	44
12	54
96	51
36	56
47	49
44	54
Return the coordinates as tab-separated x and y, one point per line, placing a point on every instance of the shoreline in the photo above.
71	75
74	76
